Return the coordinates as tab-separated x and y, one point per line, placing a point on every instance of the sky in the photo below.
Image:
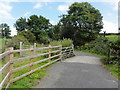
11	10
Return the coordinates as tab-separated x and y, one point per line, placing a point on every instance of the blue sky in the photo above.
11	10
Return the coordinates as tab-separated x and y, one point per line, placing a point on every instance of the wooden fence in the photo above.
67	52
54	52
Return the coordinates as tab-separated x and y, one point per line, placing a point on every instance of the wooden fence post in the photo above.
61	52
34	48
21	47
73	48
31	58
49	53
10	58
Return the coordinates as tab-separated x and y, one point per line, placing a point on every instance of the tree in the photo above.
5	30
55	32
43	37
82	23
15	41
21	24
28	35
36	24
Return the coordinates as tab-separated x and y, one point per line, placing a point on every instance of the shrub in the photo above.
115	60
28	35
98	46
15	41
43	37
64	43
102	46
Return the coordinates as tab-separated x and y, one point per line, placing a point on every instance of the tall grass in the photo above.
64	43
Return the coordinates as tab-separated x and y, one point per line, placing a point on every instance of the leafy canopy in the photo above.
82	23
5	30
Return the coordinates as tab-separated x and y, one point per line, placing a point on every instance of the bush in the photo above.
28	35
64	43
98	46
43	37
102	46
15	41
112	60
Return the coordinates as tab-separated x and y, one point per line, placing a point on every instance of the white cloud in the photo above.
5	9
13	31
27	14
63	8
110	27
59	0
53	22
38	5
9	0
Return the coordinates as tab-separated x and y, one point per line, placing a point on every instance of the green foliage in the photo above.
38	23
114	70
98	46
82	23
64	43
21	24
114	60
30	80
54	43
55	32
43	37
113	38
106	47
36	26
3	43
4	30
15	41
28	35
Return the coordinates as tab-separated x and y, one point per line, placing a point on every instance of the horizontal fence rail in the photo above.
54	53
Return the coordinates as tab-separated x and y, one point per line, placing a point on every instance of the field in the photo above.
113	38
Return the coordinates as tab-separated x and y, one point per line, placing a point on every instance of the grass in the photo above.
64	43
114	70
32	79
113	38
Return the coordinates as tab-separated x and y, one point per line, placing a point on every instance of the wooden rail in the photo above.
67	52
52	53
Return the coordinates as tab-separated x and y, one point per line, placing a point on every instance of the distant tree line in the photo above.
4	30
82	23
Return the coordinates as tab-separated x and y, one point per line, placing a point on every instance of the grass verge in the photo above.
114	70
32	79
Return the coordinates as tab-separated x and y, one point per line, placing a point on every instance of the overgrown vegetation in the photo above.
15	41
3	42
64	43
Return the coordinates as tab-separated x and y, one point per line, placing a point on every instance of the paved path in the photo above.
82	71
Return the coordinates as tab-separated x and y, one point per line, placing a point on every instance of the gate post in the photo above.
21	47
49	53
60	52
